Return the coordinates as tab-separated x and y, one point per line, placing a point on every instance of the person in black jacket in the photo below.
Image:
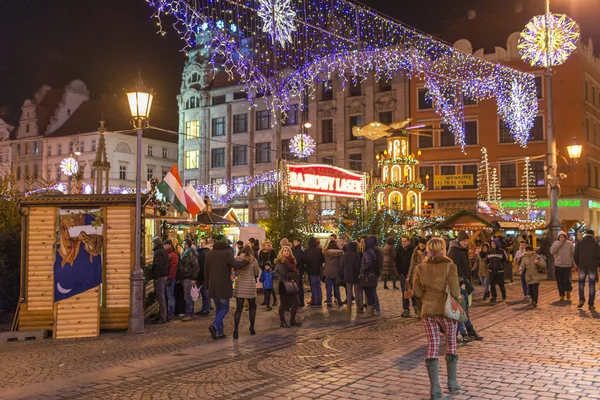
351	267
299	256
206	247
587	258
496	260
313	260
403	256
160	271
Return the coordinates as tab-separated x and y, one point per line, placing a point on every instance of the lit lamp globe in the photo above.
574	151
140	102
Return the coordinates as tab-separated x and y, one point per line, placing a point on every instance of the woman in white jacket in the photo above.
562	251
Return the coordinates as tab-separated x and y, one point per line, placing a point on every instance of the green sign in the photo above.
546	203
593	204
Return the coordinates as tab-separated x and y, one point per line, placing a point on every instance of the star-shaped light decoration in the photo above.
278	19
302	145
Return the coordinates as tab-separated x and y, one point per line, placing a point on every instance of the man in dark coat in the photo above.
299	256
313	261
160	271
217	271
207	246
403	256
459	254
587	258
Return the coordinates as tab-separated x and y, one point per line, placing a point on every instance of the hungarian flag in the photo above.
193	201
171	188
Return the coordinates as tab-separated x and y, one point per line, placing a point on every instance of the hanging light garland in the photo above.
278	19
548	40
302	145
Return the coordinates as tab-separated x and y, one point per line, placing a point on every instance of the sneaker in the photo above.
406	314
213	332
315	306
580	305
158	321
204	313
296	323
534	304
568	295
170	318
283	324
467	339
493	300
269	308
187	318
274	304
223	336
459	340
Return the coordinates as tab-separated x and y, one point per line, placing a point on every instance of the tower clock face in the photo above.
69	166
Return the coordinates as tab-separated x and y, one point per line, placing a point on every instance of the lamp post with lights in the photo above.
140	102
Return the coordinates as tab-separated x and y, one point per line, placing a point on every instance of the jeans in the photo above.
485	282
468	324
534	290
315	290
377	306
221	310
563	281
160	286
332	287
358	295
406	302
592	276
268	293
171	298
524	285
301	288
369	294
205	299
187	295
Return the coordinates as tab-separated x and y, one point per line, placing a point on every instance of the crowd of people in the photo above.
430	271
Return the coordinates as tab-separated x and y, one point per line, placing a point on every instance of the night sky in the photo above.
106	42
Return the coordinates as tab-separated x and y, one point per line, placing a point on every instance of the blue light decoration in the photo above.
220	24
302	145
337	38
278	19
233	28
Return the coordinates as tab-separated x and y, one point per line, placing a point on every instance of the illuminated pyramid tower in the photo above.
399	188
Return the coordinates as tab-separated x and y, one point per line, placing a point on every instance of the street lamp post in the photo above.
140	102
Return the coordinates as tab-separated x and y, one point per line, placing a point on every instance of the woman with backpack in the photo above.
333	267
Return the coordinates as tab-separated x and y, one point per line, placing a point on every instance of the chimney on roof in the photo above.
519	7
471	14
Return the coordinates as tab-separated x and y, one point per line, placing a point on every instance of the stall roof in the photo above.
61	199
465	219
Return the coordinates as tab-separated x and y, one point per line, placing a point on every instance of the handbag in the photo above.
408	292
452	308
367	281
290	288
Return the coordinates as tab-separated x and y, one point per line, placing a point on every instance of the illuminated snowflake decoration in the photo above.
69	166
518	110
542	47
278	19
302	145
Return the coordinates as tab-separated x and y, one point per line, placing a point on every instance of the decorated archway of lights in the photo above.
284	48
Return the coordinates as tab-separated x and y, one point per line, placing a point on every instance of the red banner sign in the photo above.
325	180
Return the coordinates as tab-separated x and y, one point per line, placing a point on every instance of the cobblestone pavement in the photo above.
545	353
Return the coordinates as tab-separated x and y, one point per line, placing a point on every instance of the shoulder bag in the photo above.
452	308
289	288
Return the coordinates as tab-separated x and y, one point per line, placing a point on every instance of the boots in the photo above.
472	333
370	312
432	365
349	309
568	295
451	364
486	295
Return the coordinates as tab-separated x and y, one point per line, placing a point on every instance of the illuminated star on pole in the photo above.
278	19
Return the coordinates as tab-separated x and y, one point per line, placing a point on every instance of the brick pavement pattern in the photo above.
552	352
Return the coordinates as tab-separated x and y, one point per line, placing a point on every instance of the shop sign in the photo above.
325	180
593	204
453	180
544	203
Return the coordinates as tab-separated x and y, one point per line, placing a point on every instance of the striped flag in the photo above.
193	201
171	188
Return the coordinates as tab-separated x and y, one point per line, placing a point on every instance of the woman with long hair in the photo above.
245	289
266	256
287	271
436	273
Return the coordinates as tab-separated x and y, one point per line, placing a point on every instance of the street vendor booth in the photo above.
76	259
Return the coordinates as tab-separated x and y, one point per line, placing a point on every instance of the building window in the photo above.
149	173
150	150
49	151
239	95
122	172
447	170
355	89
537	131
164	172
58	173
597	170
18	149
261	189
537	167
192	182
240	123
586	90
505	135
192	102
36	148
240	155
217	159
35	171
385	117
218	126
467	101
356	162
355	120
330	160
426	138
218	100
191	159
327	131
285	150
587	130
327	90
191	130
594	95
263	152
195	77
93	144
48	173
508	175
58	149
470	170
595	136
165	152
589	175
18	173
327	203
291	115
446	137
385	85
470	132
81	146
424	102
539	87
263	120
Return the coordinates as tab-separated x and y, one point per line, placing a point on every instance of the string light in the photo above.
399	160
548	45
338	38
400	185
302	145
528	197
278	19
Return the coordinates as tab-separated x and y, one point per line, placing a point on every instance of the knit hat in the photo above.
589	232
496	242
462	235
221	239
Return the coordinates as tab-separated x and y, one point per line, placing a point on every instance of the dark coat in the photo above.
188	267
460	257
496	260
264	256
201	256
333	263
314	259
389	261
217	271
587	254
298	253
173	262
351	264
403	257
160	264
368	263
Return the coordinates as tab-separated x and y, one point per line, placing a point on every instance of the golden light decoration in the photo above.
302	145
551	46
